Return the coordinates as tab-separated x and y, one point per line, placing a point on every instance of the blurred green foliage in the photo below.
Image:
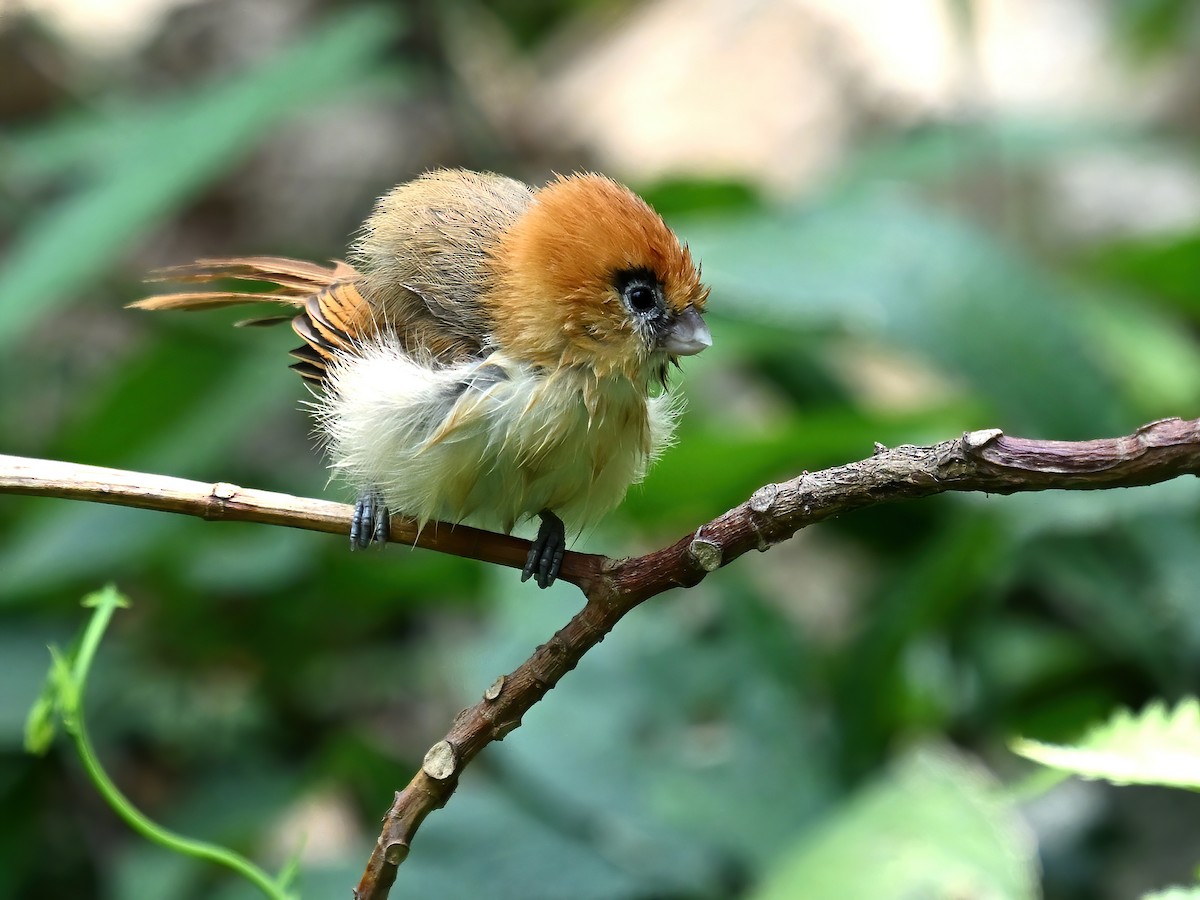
846	698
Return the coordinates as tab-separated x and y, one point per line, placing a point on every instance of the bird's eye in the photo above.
641	292
641	297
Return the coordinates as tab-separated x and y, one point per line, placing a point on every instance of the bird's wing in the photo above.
436	319
292	282
426	258
331	315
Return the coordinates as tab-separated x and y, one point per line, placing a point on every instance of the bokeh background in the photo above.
917	218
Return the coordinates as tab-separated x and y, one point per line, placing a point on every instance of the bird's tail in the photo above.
292	282
329	315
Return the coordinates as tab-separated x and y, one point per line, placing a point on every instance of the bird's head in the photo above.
590	275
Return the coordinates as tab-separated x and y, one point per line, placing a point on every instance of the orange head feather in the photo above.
566	271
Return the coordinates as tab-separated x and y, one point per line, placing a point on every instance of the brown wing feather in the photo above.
295	281
332	314
425	254
426	267
286	273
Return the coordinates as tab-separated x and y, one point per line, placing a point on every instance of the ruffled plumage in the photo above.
476	362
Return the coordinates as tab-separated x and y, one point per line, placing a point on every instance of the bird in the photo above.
491	352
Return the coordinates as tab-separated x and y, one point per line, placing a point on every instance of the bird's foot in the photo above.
546	554
371	521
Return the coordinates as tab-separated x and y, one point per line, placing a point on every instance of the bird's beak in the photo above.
687	336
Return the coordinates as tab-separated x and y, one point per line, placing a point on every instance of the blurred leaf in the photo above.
934	825
673	796
937	580
1156	746
1152	28
1156	364
1164	266
23	647
166	157
71	540
938	151
167	406
1102	582
884	265
144	870
1174	893
486	844
1040	515
680	196
694	481
1019	653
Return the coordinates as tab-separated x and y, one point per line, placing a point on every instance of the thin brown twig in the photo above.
221	501
986	461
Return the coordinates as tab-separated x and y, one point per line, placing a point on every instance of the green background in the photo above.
827	720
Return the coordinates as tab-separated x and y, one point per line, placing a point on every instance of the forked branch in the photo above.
985	461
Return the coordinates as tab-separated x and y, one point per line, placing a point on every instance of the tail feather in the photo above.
295	281
281	270
262	321
210	300
330	313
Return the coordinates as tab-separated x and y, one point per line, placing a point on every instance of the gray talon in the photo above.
546	553
370	522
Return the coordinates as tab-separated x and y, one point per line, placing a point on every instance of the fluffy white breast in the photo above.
489	442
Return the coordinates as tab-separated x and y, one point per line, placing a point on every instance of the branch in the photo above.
986	461
229	503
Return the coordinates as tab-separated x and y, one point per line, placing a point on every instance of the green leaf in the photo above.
676	792
107	600
935	825
1167	266
942	577
694	480
58	699
40	726
166	156
1158	746
1151	29
937	152
885	266
63	690
1147	352
1174	893
78	540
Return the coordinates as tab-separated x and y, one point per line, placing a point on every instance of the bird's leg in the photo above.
546	554
371	521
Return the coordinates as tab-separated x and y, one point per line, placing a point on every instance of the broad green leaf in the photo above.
1152	29
41	725
166	157
938	152
1159	745
71	540
694	481
947	572
885	266
1174	893
1113	587
1166	266
1144	350
674	794
934	825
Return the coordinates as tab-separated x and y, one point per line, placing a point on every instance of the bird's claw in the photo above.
371	521
546	553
